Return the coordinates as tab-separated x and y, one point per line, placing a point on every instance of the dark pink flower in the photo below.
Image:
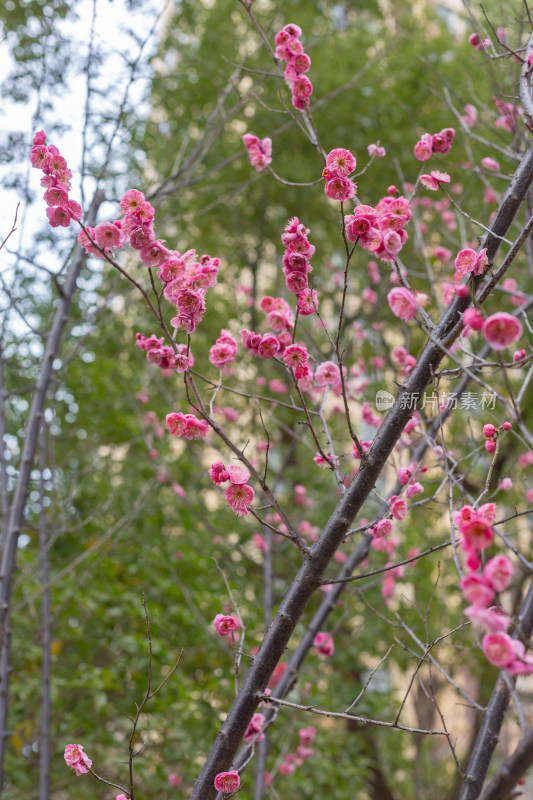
238	497
226	624
227	782
323	644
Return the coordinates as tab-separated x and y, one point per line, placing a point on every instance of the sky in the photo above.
113	19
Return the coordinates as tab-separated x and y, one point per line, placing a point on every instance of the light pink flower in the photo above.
423	148
501	330
474	318
307	735
238	475
466	261
477	533
383	528
498	648
398	507
227	782
490	163
221	354
477	589
269	346
402	303
414	489
429	182
378	151
491	619
56	196
498	572
154	254
327	374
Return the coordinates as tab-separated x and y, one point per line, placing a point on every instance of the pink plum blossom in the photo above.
238	497
307	735
238	475
226	624
498	572
254	730
402	303
501	330
323	644
327	374
77	759
340	188
186	426
227	782
341	162
490	163
499	649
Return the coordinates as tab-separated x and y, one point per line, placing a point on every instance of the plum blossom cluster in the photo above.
297	266
281	319
477	41
304	750
380	229
429	144
434	179
186	426
509	114
270	345
376	150
77	759
186	277
238	494
290	49
163	356
491	433
259	150
56	182
340	163
480	586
